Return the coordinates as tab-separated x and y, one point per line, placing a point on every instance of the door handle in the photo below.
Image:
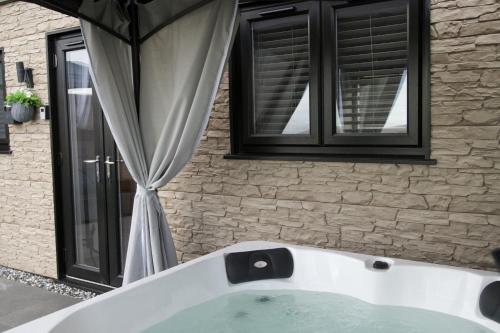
108	163
97	167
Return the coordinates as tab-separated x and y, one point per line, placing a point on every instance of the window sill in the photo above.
333	158
5	152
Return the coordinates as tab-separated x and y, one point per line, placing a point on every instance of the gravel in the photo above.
44	283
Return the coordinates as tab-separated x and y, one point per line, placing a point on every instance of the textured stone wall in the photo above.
27	239
448	213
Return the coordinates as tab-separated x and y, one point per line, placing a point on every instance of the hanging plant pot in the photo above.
22	113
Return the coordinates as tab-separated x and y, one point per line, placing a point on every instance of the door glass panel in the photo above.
84	157
372	49
281	77
126	190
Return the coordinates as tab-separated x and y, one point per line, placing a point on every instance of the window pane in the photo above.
372	51
281	77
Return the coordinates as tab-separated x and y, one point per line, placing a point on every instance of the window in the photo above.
331	80
4	129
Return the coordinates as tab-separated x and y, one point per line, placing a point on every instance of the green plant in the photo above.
26	98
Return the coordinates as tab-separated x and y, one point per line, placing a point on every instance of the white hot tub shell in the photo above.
140	305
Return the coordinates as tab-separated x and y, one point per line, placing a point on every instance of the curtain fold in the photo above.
181	66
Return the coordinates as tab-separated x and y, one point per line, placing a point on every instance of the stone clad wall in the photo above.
448	213
27	238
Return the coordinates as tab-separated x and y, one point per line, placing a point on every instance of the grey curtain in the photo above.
181	66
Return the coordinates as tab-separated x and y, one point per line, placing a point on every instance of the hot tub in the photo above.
291	274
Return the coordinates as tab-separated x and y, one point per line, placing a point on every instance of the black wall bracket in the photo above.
24	75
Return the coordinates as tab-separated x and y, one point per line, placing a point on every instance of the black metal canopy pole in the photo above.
135	46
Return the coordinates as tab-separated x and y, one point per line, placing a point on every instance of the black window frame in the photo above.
413	148
4	142
264	18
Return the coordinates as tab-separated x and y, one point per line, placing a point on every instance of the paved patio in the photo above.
20	303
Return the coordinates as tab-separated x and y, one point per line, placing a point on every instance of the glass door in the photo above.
121	193
96	191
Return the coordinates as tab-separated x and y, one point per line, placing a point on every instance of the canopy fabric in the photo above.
181	66
113	15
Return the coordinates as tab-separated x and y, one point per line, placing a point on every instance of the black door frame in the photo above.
113	215
111	267
64	44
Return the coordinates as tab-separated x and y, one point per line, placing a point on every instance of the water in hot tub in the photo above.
307	312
